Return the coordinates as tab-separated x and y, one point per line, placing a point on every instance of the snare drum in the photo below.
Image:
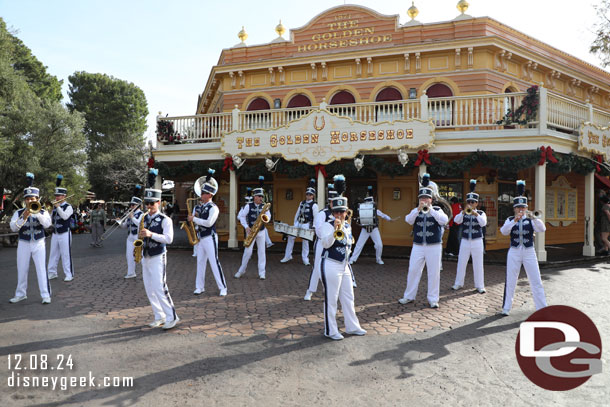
367	214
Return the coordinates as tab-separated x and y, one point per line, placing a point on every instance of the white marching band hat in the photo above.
369	194
30	191
135	199
58	189
425	190
339	202
210	186
151	194
260	191
472	196
521	200
311	189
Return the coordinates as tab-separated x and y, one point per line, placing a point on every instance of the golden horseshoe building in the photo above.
357	92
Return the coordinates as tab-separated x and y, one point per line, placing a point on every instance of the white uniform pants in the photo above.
131	262
153	274
315	273
518	256
474	248
259	241
430	256
36	250
337	281
207	250
304	247
61	246
364	236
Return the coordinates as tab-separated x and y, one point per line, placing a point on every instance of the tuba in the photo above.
138	244
262	218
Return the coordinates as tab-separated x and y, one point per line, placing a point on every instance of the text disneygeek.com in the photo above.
20	365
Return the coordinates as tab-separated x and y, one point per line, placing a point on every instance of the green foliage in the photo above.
529	109
601	44
126	166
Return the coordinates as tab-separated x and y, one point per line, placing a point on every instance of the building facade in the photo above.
356	92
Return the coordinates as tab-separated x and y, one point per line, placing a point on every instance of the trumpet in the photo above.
537	214
338	234
468	210
425	209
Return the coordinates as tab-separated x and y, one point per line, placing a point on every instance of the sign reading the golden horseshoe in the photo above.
595	139
321	137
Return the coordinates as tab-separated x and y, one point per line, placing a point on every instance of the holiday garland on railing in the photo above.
506	165
529	108
165	132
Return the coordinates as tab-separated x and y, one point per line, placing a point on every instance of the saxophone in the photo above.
262	218
189	227
138	244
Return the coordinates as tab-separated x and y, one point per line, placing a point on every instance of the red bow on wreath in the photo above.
151	162
228	164
322	169
546	153
423	155
599	160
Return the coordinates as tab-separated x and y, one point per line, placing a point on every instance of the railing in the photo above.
472	111
200	128
601	118
476	112
564	113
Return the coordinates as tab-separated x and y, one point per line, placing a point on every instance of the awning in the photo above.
603	180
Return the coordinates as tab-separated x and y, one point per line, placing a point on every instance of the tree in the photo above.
601	44
115	113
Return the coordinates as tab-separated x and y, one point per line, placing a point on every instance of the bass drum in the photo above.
366	213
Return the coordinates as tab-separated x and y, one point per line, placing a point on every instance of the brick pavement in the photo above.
275	307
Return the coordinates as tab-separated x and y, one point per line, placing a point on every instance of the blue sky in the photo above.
167	48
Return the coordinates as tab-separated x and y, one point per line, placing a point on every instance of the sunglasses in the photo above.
339	211
149	203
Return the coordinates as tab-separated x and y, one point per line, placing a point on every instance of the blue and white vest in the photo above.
471	229
426	229
522	233
32	230
306	212
203	212
60	225
328	213
154	223
132	224
341	249
253	212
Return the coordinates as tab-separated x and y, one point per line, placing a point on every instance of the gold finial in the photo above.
462	6
280	29
413	11
242	35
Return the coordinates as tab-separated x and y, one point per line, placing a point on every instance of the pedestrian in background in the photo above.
98	225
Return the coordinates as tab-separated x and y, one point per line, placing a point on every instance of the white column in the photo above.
321	190
235	119
540	196
589	245
543	111
423	106
422	170
232	210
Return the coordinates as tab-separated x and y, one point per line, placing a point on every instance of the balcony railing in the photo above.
473	112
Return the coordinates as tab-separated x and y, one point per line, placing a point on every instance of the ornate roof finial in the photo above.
242	35
413	11
462	6
280	29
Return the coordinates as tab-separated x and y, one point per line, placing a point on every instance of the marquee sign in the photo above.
595	139
321	137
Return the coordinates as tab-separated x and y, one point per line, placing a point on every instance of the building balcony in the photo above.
478	115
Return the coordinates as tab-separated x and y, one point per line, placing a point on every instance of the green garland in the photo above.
529	108
507	166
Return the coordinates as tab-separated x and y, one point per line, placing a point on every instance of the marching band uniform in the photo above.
205	216
371	231
323	216
522	252
303	218
427	247
61	240
471	243
244	211
336	275
131	224
247	221
154	258
31	244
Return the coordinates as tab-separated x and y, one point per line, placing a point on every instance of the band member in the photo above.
243	213
323	216
205	216
253	211
336	240
303	219
371	230
428	222
472	241
521	228
131	224
61	241
157	231
30	227
98	225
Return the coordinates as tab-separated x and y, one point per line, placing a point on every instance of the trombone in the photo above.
118	223
61	199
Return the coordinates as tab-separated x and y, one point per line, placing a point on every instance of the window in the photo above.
441	111
390	111
296	101
343	98
257	120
